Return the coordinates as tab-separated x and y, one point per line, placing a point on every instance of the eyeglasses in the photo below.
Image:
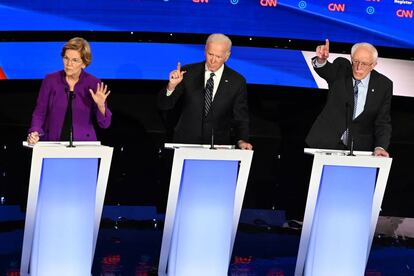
73	60
362	65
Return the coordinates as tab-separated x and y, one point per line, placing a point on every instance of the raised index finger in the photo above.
178	67
327	44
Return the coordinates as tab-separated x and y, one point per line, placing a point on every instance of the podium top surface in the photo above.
196	146
90	149
314	151
62	144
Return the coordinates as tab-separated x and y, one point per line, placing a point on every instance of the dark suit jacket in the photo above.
372	128
229	110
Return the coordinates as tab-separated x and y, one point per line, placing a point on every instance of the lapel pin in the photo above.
226	80
372	90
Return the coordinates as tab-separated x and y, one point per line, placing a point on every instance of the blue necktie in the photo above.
344	136
355	97
208	94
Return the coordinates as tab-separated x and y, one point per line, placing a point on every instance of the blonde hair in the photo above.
82	46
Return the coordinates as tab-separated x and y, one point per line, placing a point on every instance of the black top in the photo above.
67	123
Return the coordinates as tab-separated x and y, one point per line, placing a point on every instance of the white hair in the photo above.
219	38
366	45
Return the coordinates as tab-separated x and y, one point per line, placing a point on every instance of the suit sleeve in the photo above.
104	121
382	122
165	102
241	114
41	108
330	71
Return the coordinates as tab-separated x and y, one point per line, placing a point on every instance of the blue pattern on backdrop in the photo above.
387	23
153	61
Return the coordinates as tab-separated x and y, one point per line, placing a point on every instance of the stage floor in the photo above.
130	245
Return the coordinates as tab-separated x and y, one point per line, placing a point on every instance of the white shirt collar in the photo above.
364	81
218	73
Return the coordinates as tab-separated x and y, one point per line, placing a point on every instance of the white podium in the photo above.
66	193
342	208
204	203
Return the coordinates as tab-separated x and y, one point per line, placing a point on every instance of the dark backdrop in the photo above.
280	119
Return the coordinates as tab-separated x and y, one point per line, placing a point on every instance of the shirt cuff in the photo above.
169	92
316	64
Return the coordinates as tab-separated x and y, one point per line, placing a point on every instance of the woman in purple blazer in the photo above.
51	119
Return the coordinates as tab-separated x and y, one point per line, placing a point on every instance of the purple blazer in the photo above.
49	114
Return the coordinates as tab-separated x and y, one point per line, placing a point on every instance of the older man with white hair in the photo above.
357	110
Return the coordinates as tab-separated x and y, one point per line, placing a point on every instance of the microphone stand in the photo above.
349	138
351	147
212	126
70	99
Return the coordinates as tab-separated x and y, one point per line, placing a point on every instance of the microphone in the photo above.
71	95
212	127
349	138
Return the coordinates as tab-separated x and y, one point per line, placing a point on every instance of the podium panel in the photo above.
204	203
66	192
342	209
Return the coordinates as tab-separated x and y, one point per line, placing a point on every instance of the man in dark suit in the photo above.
214	99
358	91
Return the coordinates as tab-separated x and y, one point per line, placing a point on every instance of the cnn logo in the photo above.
268	3
334	7
405	13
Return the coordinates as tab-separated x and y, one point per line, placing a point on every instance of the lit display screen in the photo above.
381	22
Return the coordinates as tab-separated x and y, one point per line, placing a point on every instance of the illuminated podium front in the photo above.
204	203
66	193
342	209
